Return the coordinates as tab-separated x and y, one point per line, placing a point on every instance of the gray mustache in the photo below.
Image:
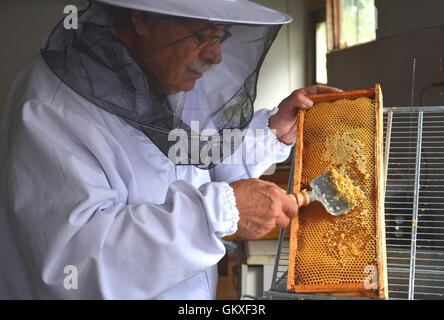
199	66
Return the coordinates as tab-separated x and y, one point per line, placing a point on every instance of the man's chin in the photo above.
188	86
191	83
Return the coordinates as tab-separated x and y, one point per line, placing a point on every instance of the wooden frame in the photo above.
333	25
343	289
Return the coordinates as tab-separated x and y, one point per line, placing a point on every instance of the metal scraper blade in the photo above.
325	191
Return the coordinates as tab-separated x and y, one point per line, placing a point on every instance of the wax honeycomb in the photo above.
333	250
346	188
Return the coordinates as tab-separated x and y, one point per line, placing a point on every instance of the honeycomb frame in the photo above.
300	279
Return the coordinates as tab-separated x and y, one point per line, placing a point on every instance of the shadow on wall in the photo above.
389	61
406	30
23	27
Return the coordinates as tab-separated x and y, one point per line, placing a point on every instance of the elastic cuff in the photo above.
230	212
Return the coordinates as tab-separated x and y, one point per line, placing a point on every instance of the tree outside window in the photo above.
350	22
357	22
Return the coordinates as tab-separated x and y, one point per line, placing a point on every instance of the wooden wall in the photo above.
389	61
406	30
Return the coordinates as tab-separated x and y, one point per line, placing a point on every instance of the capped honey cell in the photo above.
338	136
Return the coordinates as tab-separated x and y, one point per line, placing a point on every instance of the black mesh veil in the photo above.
188	127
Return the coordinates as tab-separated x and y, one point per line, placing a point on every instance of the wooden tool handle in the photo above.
301	198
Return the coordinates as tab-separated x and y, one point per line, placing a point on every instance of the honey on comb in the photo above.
337	250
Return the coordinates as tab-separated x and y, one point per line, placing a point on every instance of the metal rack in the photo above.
414	208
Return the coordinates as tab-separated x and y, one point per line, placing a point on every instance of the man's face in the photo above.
178	66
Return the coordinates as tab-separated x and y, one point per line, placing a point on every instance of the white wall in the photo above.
284	67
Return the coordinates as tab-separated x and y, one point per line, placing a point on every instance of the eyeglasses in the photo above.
208	41
205	41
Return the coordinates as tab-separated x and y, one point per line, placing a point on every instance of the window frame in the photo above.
333	13
317	15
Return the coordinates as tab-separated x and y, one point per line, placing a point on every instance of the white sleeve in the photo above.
64	213
259	150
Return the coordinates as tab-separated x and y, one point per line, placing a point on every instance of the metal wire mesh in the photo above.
414	208
414	203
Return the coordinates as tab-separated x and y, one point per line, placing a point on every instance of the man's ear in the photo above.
139	20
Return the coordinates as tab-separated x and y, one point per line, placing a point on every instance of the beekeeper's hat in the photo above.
93	62
229	11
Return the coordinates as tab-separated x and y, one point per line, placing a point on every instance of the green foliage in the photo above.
357	22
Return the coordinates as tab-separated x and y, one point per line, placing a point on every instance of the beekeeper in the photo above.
119	175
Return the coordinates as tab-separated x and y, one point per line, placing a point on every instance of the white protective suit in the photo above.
80	187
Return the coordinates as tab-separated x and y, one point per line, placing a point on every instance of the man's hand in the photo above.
262	206
284	122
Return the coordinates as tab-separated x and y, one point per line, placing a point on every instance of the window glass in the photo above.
321	52
357	22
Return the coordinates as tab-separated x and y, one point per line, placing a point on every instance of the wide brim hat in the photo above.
95	64
226	11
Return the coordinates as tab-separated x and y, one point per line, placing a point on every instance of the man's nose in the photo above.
212	53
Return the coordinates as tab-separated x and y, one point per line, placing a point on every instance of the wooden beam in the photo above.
333	25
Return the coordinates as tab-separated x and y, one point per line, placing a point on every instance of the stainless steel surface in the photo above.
388	134
414	203
414	207
324	190
279	282
413	82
